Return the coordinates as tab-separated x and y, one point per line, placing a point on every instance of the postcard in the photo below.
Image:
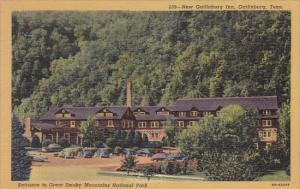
149	94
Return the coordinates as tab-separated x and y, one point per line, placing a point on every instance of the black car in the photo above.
87	153
176	156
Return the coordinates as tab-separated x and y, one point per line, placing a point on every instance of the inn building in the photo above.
65	122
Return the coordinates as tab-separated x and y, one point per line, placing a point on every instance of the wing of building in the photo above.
60	122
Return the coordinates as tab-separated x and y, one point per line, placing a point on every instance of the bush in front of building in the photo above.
63	142
98	144
110	142
35	142
47	142
118	150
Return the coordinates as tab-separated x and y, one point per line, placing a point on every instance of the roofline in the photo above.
235	97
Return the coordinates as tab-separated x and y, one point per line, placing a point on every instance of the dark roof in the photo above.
82	113
212	104
154	117
42	125
151	113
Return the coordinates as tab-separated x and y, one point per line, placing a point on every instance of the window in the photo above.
194	113
266	123
108	115
256	145
267	134
266	112
154	124
49	137
192	123
67	136
181	114
101	114
163	113
206	113
139	113
180	123
110	123
268	145
72	124
124	124
142	124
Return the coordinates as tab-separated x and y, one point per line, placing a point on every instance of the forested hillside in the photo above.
84	59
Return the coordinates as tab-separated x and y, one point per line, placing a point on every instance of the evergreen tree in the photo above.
21	162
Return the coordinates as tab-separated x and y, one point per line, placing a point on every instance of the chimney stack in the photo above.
129	93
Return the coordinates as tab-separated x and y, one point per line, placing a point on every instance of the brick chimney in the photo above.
27	132
128	93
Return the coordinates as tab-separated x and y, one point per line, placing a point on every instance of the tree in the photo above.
20	162
281	149
63	142
130	138
110	142
128	163
138	140
89	131
224	144
35	142
145	140
171	130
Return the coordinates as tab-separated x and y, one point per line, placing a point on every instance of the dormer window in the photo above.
206	113
105	113
162	111
63	114
194	113
266	112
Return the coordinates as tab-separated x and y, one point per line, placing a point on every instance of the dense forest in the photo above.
84	58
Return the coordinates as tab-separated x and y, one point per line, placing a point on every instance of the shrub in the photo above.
98	144
86	143
47	142
20	161
167	167
63	142
288	170
148	171
35	142
128	163
135	149
176	168
118	150
110	142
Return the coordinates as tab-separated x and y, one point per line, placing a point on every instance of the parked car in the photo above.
52	148
88	153
102	152
143	152
176	156
159	156
128	152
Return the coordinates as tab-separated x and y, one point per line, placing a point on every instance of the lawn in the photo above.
275	175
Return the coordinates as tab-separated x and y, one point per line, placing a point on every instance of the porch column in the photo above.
56	137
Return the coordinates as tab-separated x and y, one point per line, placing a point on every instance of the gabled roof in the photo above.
81	113
151	113
212	104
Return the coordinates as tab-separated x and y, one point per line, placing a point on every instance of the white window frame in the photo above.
110	123
206	113
180	123
192	123
194	113
266	112
267	123
72	124
142	124
181	114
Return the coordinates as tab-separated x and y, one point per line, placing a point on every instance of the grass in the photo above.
274	175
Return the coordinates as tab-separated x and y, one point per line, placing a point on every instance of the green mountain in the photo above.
84	58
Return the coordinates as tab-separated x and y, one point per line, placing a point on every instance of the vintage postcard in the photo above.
149	94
